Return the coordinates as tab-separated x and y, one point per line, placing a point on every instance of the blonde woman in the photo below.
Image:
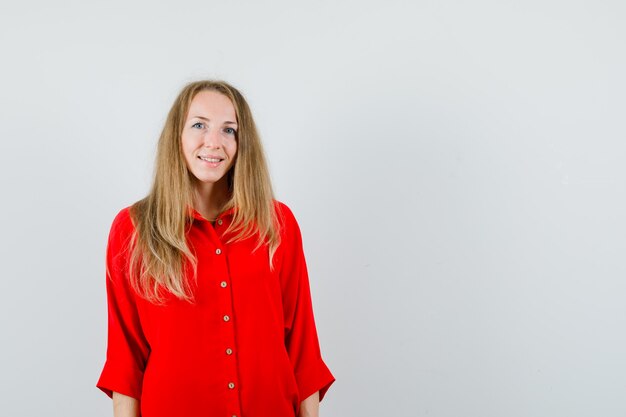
209	305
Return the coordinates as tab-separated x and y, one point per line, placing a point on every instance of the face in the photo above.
209	138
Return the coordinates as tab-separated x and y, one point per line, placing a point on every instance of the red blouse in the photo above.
247	348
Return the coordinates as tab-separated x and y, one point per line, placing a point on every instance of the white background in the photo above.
457	169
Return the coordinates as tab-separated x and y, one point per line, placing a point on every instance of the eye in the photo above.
230	130
198	125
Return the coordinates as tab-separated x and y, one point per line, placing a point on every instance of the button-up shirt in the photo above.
248	347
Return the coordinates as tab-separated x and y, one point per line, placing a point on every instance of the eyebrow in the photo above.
228	122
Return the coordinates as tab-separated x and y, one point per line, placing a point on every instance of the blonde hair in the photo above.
160	256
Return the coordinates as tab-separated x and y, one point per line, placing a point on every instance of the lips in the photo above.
210	158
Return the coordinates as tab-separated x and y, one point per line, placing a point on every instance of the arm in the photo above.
310	407
125	406
311	373
127	347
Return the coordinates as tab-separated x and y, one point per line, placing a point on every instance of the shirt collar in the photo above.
196	215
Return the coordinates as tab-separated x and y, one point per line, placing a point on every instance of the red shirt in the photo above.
247	348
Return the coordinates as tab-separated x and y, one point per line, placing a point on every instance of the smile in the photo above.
213	160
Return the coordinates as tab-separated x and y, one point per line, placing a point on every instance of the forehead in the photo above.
212	105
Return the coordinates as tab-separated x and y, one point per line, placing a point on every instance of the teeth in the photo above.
210	159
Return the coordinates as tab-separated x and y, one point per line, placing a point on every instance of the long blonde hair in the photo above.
160	255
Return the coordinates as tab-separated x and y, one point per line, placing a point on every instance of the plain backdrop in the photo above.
457	170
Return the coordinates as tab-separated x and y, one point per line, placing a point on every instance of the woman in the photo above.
209	302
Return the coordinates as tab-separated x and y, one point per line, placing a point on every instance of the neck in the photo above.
209	198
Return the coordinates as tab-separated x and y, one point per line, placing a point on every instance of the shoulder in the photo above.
282	208
122	227
289	228
122	219
285	215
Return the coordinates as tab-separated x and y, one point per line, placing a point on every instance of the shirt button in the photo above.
218	251
231	385
223	284
229	351
226	318
219	221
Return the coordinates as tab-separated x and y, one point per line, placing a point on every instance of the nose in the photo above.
212	138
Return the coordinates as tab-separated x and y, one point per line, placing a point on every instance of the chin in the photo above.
211	180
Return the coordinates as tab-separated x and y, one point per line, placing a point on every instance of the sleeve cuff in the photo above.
128	382
314	378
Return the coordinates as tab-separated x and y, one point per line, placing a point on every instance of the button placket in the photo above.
229	336
226	307
228	319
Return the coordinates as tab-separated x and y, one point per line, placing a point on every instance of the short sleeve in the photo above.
301	338
127	348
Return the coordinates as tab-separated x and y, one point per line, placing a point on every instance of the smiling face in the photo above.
209	139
